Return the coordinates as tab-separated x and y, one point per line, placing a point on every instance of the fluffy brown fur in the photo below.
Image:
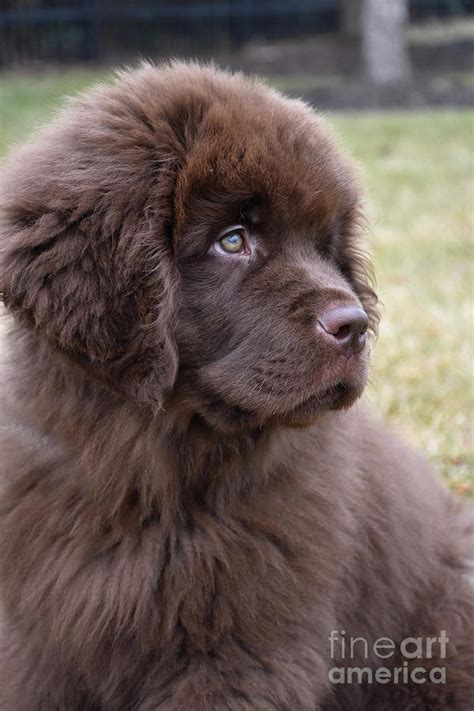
188	504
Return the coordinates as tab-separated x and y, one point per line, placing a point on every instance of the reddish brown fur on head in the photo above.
110	217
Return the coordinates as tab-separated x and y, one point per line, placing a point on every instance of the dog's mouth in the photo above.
334	390
337	396
331	386
333	397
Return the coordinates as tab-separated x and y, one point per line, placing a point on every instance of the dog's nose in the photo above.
347	325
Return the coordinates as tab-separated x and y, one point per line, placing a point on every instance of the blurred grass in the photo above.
419	173
26	100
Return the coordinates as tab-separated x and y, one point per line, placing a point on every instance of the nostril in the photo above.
343	332
346	324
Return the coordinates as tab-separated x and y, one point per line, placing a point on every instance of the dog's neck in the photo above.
123	457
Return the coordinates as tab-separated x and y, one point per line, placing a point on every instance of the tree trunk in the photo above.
384	41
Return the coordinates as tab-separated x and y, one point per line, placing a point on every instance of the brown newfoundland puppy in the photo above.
191	517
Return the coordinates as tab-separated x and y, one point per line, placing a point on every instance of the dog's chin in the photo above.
227	418
338	396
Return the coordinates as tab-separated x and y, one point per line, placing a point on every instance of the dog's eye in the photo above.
234	241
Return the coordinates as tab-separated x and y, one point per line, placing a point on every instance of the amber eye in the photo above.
233	242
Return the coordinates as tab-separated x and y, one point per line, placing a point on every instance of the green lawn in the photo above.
419	173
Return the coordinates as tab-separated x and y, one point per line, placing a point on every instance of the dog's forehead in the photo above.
269	151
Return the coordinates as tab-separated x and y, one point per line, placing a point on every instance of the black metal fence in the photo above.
102	30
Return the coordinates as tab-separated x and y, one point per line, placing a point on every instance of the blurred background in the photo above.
395	78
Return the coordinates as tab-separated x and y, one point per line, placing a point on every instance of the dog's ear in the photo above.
86	240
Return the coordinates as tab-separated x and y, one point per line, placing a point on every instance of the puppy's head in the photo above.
188	236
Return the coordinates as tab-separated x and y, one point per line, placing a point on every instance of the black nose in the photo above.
347	325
